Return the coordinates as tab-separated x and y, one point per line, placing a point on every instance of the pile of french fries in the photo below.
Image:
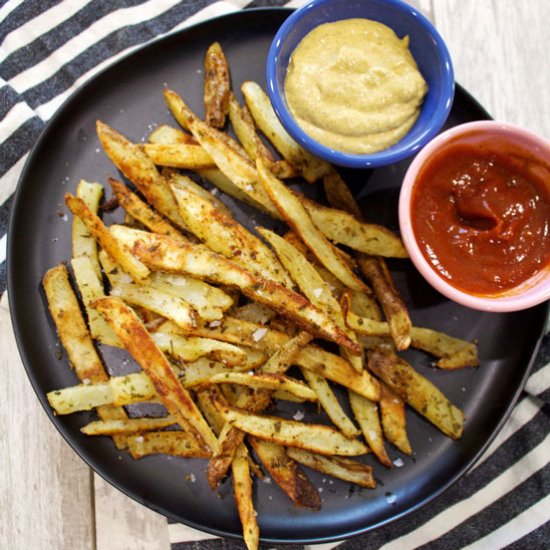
224	322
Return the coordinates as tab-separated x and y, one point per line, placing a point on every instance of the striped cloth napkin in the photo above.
47	49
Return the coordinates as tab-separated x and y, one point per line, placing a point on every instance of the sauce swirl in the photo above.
481	215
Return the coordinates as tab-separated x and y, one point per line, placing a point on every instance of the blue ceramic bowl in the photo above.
426	45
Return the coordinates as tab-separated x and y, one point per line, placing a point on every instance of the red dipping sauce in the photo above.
481	215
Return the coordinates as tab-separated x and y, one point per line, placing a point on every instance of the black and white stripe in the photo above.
47	50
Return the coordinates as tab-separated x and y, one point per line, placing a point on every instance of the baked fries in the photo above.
225	319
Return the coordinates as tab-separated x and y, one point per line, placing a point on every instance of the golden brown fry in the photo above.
74	336
189	156
71	327
168	134
236	167
255	401
454	353
83	242
311	167
222	234
163	254
312	357
287	474
185	182
125	260
242	486
294	213
190	349
341	468
140	211
173	443
127	426
134	163
217	86
343	228
141	346
377	274
91	288
312	437
417	391
330	404
117	390
366	414
162	303
394	422
244	127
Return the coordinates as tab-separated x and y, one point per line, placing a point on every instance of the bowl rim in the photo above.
526	298
392	154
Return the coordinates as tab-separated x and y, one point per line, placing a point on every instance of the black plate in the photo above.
129	97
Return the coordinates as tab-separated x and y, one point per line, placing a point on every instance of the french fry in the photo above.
417	391
209	301
260	107
179	155
116	390
244	127
312	357
366	414
90	289
375	271
223	183
75	337
190	348
83	242
127	426
453	353
312	437
126	261
242	486
217	86
165	134
266	381
341	468
140	211
140	345
343	228
330	403
173	443
287	474
392	416
71	327
222	234
136	165
162	254
294	213
164	304
185	182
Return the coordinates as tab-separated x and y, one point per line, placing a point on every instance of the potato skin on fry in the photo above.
417	391
217	86
287	474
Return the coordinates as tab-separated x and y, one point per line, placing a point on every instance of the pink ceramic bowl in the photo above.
531	292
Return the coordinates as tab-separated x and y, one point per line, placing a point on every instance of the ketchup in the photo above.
481	215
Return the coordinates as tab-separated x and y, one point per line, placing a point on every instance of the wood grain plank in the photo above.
498	51
123	523
45	488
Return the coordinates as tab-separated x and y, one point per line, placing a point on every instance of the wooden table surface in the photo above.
49	498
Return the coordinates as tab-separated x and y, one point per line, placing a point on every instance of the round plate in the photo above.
128	96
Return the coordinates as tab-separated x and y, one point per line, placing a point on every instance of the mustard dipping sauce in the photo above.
354	86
